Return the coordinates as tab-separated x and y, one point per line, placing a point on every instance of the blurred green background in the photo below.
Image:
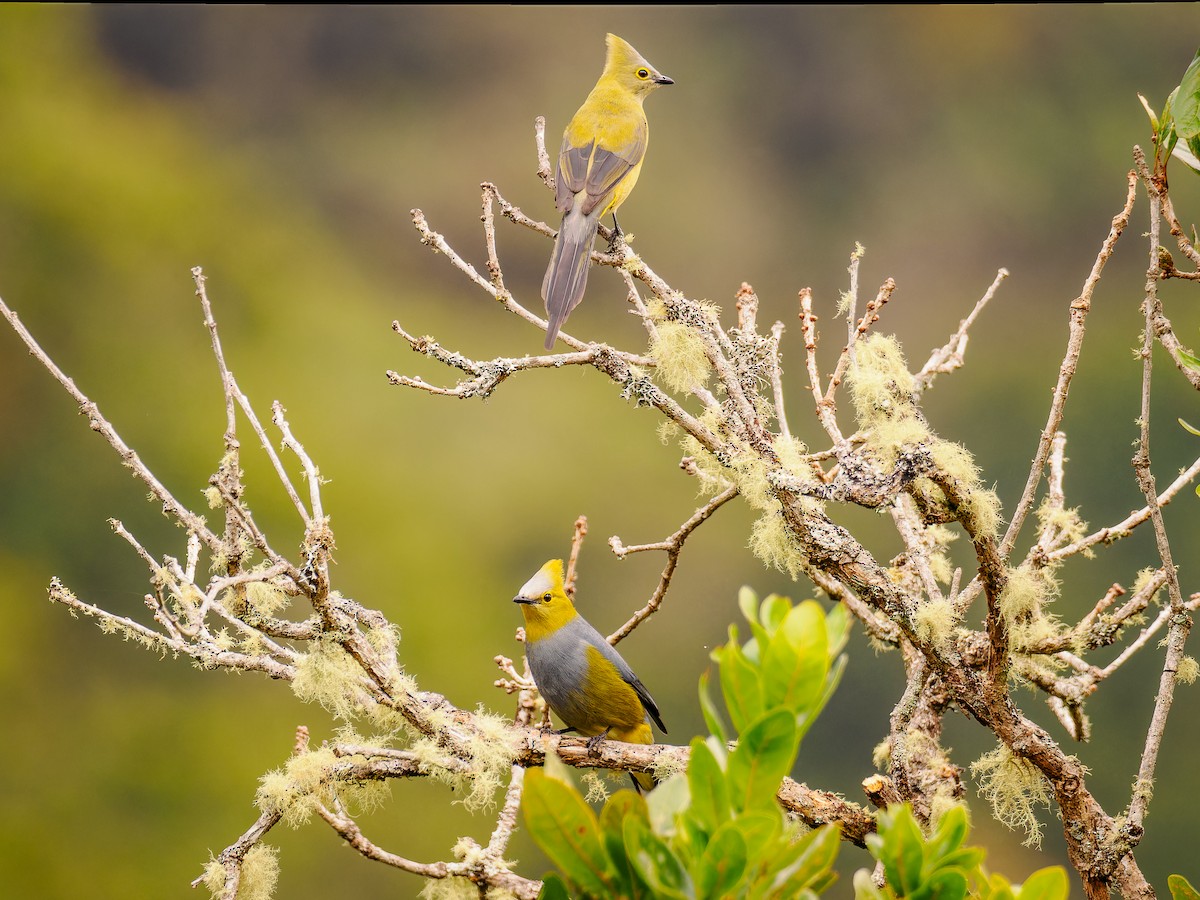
281	149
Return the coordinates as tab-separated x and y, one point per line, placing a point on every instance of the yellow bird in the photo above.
582	678
598	165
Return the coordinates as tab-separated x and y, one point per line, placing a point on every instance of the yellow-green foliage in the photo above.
259	873
1188	670
1012	785
935	621
328	675
942	801
679	350
771	542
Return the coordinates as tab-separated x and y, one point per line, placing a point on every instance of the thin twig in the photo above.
672	546
1080	307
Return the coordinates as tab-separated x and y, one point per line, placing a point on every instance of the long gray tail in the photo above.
566	276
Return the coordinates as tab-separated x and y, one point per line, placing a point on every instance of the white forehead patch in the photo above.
537	585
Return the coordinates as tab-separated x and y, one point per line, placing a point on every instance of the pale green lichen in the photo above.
749	472
1188	670
1023	605
1143	790
455	888
880	384
792	456
265	598
597	790
774	544
328	675
259	874
668	431
490	750
666	765
682	361
318	776
1143	580
881	756
1065	524
1013	786
935	622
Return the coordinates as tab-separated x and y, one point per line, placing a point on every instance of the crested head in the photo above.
544	601
628	67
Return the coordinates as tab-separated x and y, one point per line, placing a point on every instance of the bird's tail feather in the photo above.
566	276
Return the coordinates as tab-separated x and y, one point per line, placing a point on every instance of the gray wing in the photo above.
595	170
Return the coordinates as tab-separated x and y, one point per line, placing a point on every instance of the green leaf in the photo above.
764	754
748	604
774	608
654	861
761	829
900	846
1186	109
946	884
724	861
832	680
565	827
794	663
807	862
1187	427
710	793
740	685
1051	883
620	806
951	832
1189	360
553	888
1181	888
667	801
712	716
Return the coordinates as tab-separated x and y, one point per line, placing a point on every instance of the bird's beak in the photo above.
663	79
520	599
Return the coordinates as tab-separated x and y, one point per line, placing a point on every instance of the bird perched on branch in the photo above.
582	678
598	165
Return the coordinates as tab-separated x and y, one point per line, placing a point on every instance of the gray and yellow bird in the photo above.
601	157
581	677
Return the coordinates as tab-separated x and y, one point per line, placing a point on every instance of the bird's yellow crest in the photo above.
544	601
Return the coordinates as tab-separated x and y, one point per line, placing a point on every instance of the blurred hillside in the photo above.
282	148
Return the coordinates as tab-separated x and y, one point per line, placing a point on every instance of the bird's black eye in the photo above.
546	597
643	74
